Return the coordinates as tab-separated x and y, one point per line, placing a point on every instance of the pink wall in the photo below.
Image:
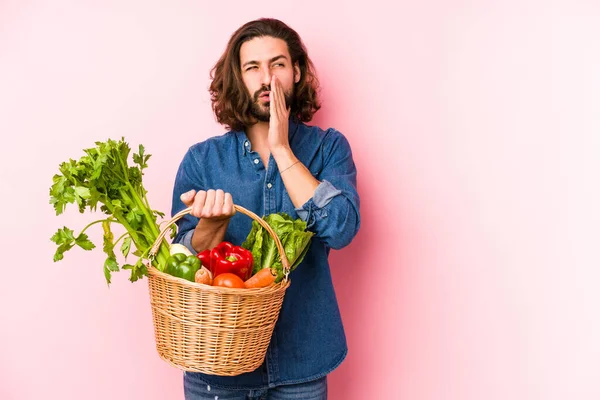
475	127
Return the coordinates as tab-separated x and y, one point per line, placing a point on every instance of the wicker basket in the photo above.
211	329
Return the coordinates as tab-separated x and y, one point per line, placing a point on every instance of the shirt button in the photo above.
269	185
247	144
256	161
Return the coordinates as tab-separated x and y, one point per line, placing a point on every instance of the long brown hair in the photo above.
231	101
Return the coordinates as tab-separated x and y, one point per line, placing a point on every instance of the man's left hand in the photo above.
278	124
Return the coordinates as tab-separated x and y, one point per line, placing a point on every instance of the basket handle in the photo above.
262	222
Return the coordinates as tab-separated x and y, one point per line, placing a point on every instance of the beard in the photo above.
262	110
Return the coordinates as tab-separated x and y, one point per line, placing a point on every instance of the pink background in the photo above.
476	132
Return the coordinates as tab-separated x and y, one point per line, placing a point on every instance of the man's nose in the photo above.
266	77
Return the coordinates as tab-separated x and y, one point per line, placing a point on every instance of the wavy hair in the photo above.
231	101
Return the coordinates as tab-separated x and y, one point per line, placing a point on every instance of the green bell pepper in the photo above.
182	266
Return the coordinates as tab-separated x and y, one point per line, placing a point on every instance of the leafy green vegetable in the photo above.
103	176
294	238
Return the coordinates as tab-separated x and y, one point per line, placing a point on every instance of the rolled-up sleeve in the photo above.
332	213
186	240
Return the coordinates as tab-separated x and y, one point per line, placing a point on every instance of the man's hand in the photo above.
213	205
298	180
214	208
278	124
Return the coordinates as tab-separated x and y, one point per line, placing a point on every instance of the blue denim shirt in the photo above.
308	341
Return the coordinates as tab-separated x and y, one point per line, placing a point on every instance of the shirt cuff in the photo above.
322	196
186	240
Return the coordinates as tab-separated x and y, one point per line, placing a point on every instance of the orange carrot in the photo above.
262	278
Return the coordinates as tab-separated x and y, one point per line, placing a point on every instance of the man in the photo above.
264	90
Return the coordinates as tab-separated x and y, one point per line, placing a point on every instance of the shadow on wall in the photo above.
354	286
357	285
347	266
6	390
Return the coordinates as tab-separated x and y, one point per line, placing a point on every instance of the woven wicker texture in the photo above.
211	329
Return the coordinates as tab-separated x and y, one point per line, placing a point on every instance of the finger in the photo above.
273	83
228	208
198	203
280	99
275	91
273	99
209	203
187	198
282	105
218	207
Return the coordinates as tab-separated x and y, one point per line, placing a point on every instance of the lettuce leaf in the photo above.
294	238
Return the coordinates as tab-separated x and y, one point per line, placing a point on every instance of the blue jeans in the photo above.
195	389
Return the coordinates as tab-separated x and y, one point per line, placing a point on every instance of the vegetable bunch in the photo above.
103	177
294	238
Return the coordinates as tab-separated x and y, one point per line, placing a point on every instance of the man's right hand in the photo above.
214	208
213	205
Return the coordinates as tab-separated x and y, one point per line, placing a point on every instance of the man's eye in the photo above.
249	68
280	65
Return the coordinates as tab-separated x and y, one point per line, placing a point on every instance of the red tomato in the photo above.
227	279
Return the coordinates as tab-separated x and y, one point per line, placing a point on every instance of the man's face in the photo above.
260	59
